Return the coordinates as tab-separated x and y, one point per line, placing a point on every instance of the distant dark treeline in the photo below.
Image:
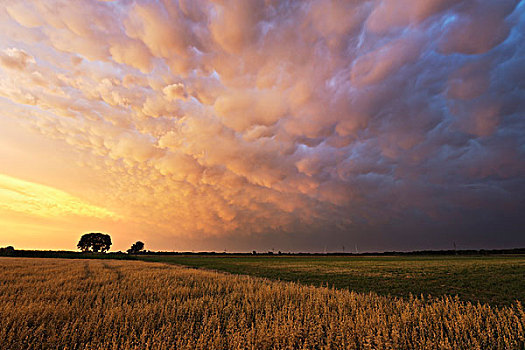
63	254
513	251
123	256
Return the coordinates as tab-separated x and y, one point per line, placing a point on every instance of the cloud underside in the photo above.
249	117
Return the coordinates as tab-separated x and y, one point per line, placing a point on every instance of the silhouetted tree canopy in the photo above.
136	247
9	250
94	241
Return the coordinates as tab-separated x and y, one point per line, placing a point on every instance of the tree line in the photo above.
101	242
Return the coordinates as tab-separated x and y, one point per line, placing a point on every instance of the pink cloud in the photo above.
219	118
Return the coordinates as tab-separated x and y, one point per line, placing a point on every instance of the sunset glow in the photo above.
249	124
34	199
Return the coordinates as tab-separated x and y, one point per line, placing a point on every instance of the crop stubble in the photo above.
81	304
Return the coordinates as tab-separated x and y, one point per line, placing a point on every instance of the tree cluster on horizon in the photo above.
95	242
101	242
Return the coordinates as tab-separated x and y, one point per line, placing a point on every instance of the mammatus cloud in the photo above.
379	121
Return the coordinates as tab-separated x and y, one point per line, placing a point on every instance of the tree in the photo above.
94	241
136	247
7	251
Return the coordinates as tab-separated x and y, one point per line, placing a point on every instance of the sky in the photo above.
242	125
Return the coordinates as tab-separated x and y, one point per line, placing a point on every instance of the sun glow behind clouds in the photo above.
35	199
35	216
256	121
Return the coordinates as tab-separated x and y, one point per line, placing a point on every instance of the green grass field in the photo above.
497	280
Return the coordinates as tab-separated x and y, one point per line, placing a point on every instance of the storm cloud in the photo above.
392	124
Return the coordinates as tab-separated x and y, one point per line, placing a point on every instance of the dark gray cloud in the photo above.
393	124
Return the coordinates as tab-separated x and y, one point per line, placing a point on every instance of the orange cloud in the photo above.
250	118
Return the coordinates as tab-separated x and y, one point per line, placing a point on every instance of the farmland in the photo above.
497	279
111	304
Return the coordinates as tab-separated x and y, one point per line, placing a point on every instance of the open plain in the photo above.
108	304
496	279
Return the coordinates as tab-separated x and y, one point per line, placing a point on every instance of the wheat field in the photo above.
103	304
